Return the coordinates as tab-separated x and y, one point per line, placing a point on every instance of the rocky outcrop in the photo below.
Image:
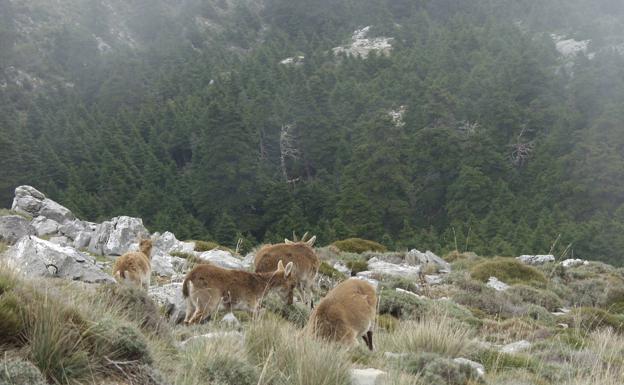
35	257
516	347
222	258
368	376
28	200
14	227
168	243
415	257
378	267
117	236
170	298
497	285
44	226
479	368
361	45
574	262
166	265
536	259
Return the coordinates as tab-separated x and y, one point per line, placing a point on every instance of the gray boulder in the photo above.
166	265
61	241
479	368
536	259
83	239
14	227
168	243
170	298
368	376
73	228
44	226
117	236
31	201
415	257
379	267
497	285
516	347
222	258
35	257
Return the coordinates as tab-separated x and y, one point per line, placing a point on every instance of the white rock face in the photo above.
480	369
570	47
14	227
365	276
536	259
35	257
497	285
362	46
368	376
44	226
293	61
61	241
415	257
162	264
574	262
516	347
170	297
397	116
391	269
407	292
342	268
168	243
29	200
222	258
117	236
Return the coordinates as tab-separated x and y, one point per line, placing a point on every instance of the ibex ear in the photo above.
288	242
311	241
289	268
280	266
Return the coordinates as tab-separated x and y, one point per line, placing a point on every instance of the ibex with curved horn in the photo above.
301	254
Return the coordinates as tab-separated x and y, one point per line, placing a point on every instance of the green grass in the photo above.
359	245
508	270
357	266
327	270
202	246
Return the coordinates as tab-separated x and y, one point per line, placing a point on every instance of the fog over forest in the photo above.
493	126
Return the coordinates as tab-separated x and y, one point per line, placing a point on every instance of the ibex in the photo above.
346	313
300	254
134	268
208	286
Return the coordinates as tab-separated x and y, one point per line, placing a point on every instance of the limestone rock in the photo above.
35	257
44	226
237	336
368	376
14	227
72	229
385	268
415	257
168	243
117	236
574	262
166	265
31	201
516	347
536	259
61	241
170	297
222	258
480	369
361	45
497	285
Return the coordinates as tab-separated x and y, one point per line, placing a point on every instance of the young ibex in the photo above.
346	313
207	286
301	254
134	268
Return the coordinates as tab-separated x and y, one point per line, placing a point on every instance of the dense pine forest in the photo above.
476	130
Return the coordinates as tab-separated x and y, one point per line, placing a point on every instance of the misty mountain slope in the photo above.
508	139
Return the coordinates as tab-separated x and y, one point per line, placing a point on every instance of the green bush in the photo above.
490	302
544	298
297	313
359	245
228	369
357	266
402	305
202	246
19	372
507	270
437	370
327	270
614	301
387	322
135	305
11	318
588	292
118	341
588	319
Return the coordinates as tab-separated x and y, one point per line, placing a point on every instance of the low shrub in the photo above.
494	361
359	245
507	270
327	270
296	313
134	304
614	300
118	341
202	246
19	372
387	322
436	370
11	318
543	298
588	319
588	292
357	266
402	305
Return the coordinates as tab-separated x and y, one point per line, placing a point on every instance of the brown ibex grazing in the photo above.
301	254
207	286
134	268
346	313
